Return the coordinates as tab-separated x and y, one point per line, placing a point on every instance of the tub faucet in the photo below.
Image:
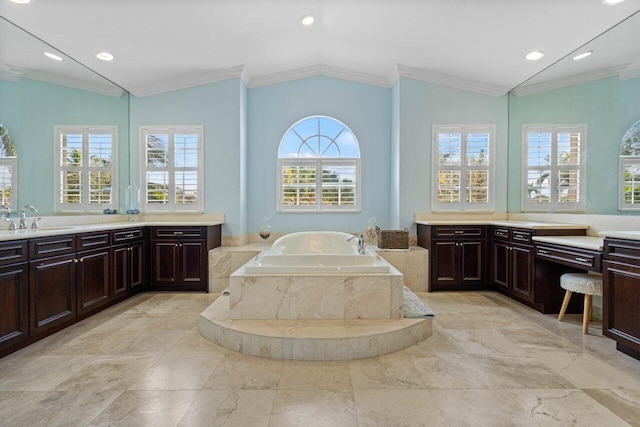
361	245
23	217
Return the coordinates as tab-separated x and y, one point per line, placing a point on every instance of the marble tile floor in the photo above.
490	362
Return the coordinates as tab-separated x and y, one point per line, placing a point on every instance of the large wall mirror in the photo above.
38	93
601	92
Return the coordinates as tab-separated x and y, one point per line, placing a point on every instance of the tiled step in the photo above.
310	339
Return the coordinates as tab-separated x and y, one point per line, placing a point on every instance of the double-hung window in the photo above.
172	172
463	167
319	167
86	172
8	174
553	168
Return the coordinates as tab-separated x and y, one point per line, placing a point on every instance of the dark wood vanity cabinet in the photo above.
180	257
621	294
14	303
457	256
52	282
513	253
128	252
93	270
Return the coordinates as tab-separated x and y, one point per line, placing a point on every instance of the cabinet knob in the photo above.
75	260
176	245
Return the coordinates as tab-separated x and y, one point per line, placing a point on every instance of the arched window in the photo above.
318	167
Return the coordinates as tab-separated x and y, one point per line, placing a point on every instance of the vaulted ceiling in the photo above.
163	45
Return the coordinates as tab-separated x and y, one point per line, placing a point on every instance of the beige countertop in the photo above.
507	223
6	235
631	235
583	242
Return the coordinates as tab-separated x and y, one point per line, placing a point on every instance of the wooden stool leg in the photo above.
587	314
565	303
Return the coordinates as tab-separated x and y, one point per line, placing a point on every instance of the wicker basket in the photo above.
393	239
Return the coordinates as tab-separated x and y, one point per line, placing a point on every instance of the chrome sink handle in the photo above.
23	216
5	216
34	224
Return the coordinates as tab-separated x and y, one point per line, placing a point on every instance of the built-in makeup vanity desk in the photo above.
621	293
502	255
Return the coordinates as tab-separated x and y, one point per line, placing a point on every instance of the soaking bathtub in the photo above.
316	252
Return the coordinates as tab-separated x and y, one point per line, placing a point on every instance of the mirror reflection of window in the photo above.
629	172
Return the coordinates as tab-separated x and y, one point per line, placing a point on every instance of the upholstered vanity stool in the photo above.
587	284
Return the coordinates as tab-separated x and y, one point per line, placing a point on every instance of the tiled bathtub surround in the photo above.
365	296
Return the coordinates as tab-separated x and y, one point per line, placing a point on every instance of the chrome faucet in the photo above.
23	217
7	212
361	245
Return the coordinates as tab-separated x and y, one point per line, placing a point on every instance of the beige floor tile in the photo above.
310	375
449	371
625	403
44	373
485	341
53	408
397	408
539	339
481	408
237	371
439	342
565	407
195	345
108	373
177	373
518	372
312	408
246	408
147	408
390	371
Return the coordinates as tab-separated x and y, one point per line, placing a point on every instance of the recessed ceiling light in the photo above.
20	1
104	56
534	55
307	20
582	55
53	56
611	2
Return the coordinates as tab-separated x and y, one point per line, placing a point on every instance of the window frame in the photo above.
463	205
12	162
320	163
85	206
624	161
554	167
172	205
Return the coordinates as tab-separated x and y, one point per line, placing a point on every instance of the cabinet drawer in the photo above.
13	252
52	246
521	236
589	260
122	236
178	233
449	232
621	250
501	233
92	240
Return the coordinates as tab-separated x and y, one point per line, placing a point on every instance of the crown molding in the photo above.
451	81
629	74
320	70
9	76
47	77
530	89
213	76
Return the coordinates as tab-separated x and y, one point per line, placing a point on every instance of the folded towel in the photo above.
413	306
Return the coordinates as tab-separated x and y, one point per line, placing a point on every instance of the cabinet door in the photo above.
501	265
93	279
472	261
194	263
166	267
136	265
522	272
14	320
443	266
52	292
120	280
621	299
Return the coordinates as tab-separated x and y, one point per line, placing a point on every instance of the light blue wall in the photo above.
394	158
629	110
40	106
422	105
365	109
219	108
595	104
